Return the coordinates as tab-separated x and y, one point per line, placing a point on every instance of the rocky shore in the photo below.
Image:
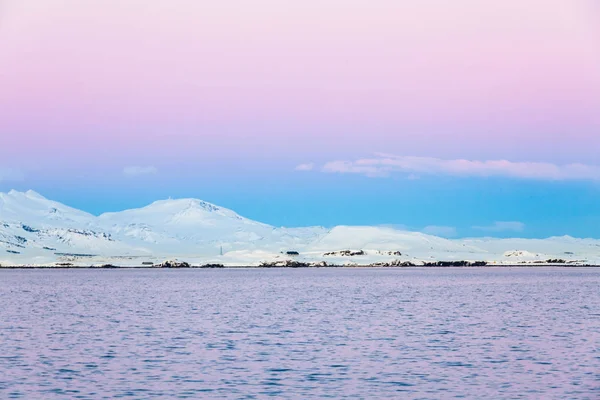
299	264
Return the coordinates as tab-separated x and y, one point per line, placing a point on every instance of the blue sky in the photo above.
445	205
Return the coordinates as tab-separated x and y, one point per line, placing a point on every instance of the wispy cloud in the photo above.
444	231
134	171
305	167
502	226
362	167
383	165
10	174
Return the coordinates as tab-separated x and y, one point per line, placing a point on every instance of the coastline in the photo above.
366	266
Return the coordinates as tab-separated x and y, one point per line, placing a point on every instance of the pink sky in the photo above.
429	78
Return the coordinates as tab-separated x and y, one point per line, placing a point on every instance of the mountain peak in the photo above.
33	193
33	208
30	194
185	212
186	204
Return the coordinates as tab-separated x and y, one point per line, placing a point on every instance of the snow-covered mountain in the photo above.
38	231
32	208
191	226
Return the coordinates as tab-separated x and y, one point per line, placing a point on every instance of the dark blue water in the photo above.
298	334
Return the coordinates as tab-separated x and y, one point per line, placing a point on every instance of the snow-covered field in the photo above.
35	231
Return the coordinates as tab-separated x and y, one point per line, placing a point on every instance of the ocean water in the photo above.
430	333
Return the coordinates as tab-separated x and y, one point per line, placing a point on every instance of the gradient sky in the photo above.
457	117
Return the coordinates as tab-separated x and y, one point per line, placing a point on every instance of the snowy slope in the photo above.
564	247
379	238
35	230
195	227
33	208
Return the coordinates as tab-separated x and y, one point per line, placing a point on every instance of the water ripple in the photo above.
308	333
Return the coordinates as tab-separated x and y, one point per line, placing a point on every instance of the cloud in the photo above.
383	165
9	174
134	171
305	167
444	231
502	226
357	167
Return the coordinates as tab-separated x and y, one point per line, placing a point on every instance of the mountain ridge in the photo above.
35	230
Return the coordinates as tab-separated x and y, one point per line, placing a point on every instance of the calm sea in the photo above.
431	333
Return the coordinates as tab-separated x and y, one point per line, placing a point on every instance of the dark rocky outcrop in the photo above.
395	263
461	263
321	264
14	244
297	264
346	253
21	239
75	255
174	264
391	253
27	228
212	266
284	264
478	264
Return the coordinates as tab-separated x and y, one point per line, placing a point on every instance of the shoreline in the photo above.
13	267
